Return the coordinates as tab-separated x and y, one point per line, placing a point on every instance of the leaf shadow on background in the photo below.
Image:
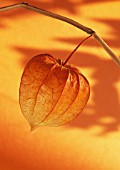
106	104
105	95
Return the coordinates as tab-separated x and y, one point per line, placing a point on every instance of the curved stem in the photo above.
65	62
67	20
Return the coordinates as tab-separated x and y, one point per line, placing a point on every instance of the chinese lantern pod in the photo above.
52	94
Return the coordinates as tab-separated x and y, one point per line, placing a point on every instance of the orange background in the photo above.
92	140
